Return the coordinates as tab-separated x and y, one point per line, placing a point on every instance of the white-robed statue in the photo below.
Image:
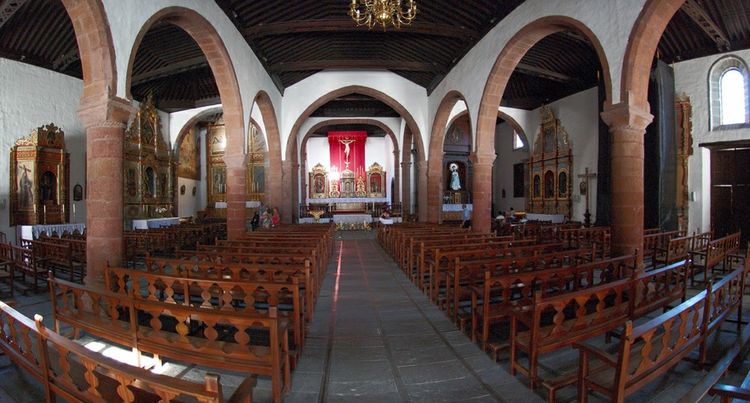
455	184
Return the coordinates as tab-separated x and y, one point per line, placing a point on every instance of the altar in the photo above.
31	232
553	218
155	222
455	212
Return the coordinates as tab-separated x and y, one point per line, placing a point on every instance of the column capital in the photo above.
105	112
422	165
482	159
627	116
406	164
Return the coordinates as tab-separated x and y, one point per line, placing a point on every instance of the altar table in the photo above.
156	222
31	232
553	218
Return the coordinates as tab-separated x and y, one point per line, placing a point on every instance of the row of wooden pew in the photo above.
242	305
559	291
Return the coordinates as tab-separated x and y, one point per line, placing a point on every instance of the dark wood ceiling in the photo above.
294	40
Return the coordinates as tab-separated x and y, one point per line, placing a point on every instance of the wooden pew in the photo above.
718	251
255	298
493	301
7	267
58	257
676	249
75	373
26	263
587	313
240	272
259	344
467	274
649	350
658	240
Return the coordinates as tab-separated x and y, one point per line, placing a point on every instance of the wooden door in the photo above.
730	191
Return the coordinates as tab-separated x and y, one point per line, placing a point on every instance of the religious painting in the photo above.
318	182
194	190
562	184
259	178
77	192
131	183
149	182
549	185
25	175
163	187
376	180
454	135
219	180
182	190
537	186
189	157
217	140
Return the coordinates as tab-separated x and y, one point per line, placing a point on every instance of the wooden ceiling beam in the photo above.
8	8
703	20
347	25
357	64
174	68
544	73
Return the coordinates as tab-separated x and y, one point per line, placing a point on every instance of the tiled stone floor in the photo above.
376	338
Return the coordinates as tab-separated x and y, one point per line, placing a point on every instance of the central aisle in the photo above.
376	337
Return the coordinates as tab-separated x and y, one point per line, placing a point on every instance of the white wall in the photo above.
691	78
31	97
126	18
301	95
610	21
503	169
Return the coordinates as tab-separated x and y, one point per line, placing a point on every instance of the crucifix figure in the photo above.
346	143
585	192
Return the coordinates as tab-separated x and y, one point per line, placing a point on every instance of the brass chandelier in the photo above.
383	12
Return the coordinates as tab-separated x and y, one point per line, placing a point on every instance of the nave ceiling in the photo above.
294	41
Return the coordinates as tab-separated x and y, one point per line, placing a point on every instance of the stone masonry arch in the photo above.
208	39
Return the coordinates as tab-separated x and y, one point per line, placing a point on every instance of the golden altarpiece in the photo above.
39	178
148	169
549	166
255	176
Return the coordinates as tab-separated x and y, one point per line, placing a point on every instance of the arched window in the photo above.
728	84
732	97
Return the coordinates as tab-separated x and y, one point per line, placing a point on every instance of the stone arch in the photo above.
435	163
517	127
95	47
292	156
275	195
212	45
494	89
644	38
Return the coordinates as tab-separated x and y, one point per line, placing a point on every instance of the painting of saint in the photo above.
319	184
259	178
25	187
219	181
189	159
375	183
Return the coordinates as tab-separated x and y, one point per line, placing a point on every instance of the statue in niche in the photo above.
455	183
47	188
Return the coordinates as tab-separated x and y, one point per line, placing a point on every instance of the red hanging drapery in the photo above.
356	140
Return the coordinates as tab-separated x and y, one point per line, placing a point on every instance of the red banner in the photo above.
348	146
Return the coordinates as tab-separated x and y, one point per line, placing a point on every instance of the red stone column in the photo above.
290	183
396	182
481	192
405	187
105	122
627	123
422	205
434	194
236	195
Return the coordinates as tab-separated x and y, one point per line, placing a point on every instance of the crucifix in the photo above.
346	143
584	187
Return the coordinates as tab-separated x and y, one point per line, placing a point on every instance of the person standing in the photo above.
265	219
275	218
466	214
